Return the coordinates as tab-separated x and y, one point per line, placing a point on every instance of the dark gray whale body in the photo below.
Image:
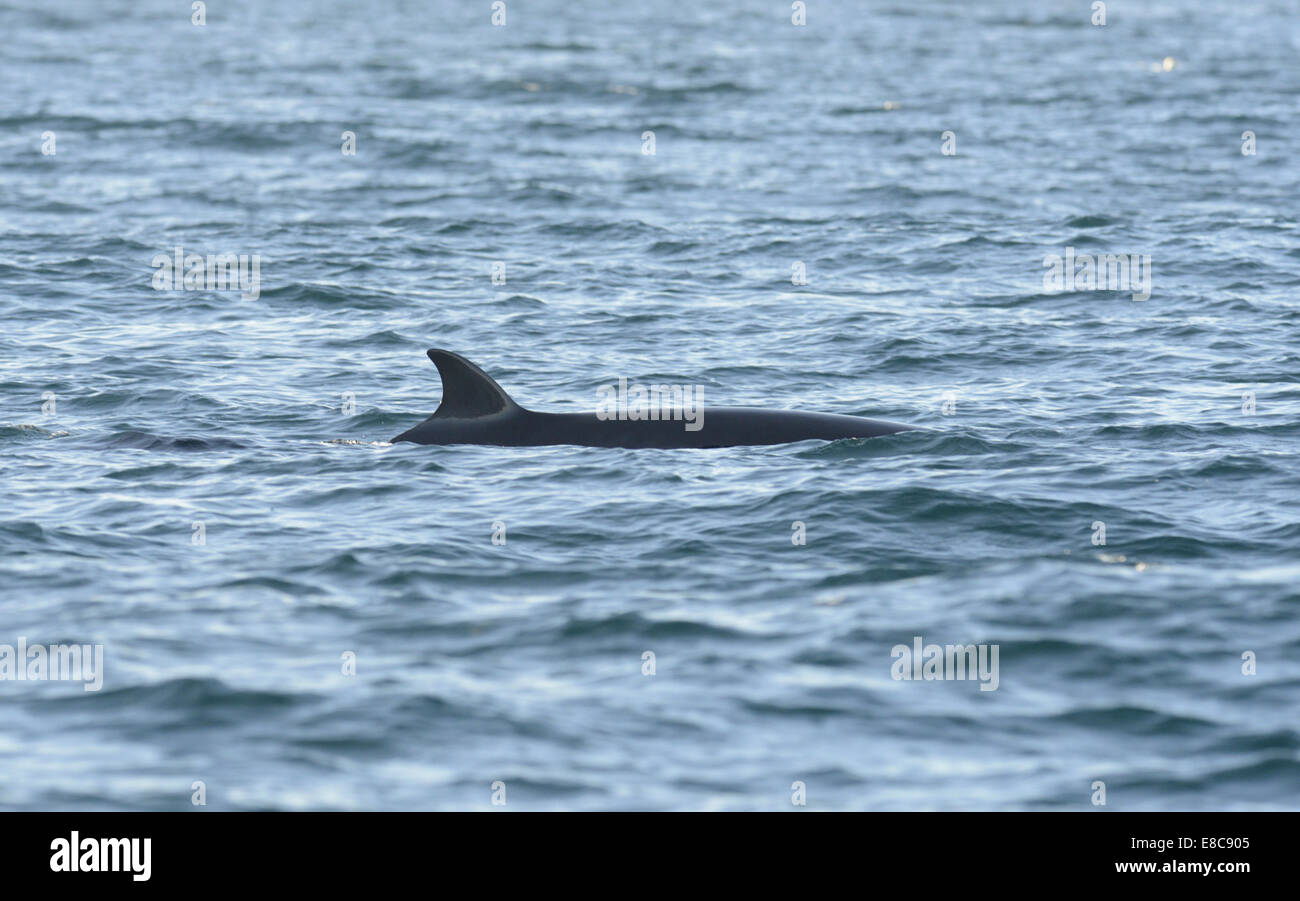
475	410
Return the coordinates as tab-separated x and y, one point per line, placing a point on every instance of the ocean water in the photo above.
201	482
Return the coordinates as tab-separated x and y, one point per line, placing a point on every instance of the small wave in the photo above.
147	441
30	432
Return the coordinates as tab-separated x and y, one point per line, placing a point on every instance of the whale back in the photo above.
476	410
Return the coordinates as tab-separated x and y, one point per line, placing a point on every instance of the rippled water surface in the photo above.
134	421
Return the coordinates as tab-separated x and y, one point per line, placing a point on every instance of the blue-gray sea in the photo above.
298	615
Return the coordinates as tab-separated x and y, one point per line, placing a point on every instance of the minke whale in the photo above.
476	410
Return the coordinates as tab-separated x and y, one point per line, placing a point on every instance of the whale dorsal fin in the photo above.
467	391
